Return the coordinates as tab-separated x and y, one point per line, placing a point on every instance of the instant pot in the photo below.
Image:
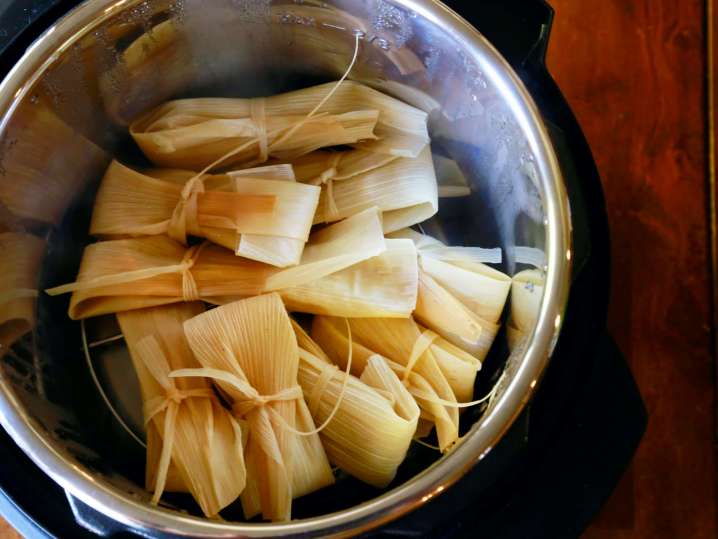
538	462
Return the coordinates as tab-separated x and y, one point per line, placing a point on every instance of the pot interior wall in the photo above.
73	118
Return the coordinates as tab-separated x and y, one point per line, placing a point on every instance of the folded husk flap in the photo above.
20	264
438	374
134	273
194	133
459	297
238	211
384	286
404	189
248	347
184	419
526	292
371	431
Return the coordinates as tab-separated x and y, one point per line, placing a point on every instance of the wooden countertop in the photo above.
634	71
634	74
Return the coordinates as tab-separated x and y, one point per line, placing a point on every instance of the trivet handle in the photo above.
94	521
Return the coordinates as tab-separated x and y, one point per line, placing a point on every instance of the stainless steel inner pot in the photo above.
65	108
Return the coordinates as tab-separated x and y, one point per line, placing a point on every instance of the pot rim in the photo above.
112	502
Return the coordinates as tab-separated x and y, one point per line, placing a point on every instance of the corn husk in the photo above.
37	182
384	286
127	274
20	263
439	374
404	189
150	69
194	133
235	211
370	432
249	349
430	247
526	292
459	297
205	442
277	251
451	180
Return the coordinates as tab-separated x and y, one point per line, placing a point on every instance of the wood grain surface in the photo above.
634	74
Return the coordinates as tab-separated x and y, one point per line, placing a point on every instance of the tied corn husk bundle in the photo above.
127	274
249	349
280	251
251	212
439	375
197	133
459	297
383	286
38	185
152	68
20	265
404	189
376	419
193	443
526	293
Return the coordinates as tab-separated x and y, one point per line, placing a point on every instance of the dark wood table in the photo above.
634	72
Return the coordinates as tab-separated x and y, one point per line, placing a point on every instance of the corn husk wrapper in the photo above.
128	274
451	180
38	184
372	429
243	212
249	349
526	292
430	247
384	286
202	132
280	251
205	442
459	297
403	188
194	133
150	69
22	255
440	375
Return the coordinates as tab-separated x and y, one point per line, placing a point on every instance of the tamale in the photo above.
404	189
249	349
370	432
438	375
151	69
186	424
127	274
38	184
526	293
20	263
459	297
194	133
277	251
383	286
235	211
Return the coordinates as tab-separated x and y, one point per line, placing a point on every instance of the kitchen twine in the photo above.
190	291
